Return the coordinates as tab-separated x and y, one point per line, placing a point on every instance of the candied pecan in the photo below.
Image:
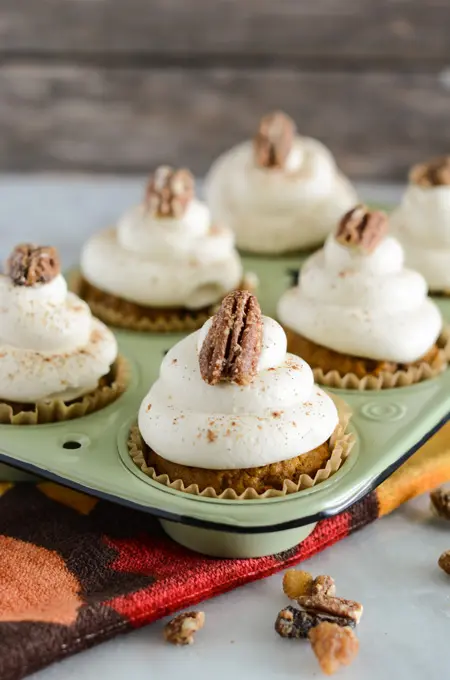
333	646
296	583
296	623
323	585
444	561
232	346
169	191
274	139
362	228
181	629
433	173
440	503
29	264
327	604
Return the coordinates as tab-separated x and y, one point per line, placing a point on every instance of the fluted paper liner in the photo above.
56	410
341	443
385	380
179	320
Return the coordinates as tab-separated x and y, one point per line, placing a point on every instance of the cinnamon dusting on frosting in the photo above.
169	191
29	264
273	140
362	228
433	173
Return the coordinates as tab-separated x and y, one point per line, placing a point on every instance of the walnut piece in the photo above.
296	623
169	191
444	561
274	139
232	347
362	228
324	585
297	583
433	173
30	264
440	503
333	646
181	629
327	604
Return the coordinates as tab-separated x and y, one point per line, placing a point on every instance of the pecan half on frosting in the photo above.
433	173
362	228
29	264
232	347
169	191
274	139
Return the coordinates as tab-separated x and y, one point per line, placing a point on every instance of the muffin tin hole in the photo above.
74	442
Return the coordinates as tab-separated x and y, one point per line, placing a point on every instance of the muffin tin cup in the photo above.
91	453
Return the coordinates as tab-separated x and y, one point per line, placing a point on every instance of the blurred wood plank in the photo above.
385	30
82	118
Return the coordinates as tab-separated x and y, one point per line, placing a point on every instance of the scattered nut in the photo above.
444	561
296	623
169	191
297	583
362	228
432	173
29	264
324	585
333	646
440	503
231	349
274	140
336	606
181	629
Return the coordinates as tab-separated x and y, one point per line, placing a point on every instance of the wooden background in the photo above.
121	85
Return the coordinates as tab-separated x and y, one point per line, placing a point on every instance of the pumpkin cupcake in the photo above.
56	361
281	192
422	223
165	265
233	415
358	316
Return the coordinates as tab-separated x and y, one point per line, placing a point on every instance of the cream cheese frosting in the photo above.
274	210
164	261
363	304
279	415
50	345
422	224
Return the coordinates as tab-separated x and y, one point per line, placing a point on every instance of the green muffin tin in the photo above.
90	453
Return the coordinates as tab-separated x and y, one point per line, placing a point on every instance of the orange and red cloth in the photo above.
75	571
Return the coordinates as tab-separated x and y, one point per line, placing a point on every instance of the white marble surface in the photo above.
391	566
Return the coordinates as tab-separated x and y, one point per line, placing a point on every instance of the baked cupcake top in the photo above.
165	252
230	397
422	222
50	345
279	192
356	297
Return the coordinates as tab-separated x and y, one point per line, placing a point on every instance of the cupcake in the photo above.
358	316
165	265
279	193
56	361
233	415
422	223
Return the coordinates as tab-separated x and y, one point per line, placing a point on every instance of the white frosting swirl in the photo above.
50	345
422	224
363	305
162	262
280	415
274	211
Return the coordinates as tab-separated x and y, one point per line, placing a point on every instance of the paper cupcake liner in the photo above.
56	410
341	443
385	380
112	310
